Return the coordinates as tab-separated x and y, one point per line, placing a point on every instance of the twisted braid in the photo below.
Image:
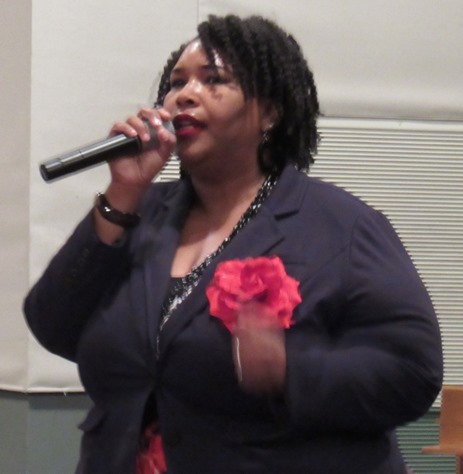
164	84
268	64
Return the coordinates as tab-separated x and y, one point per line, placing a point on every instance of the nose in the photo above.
188	95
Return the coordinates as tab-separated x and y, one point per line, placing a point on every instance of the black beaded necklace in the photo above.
185	285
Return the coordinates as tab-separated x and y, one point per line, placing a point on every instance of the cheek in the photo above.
244	124
169	103
234	128
238	115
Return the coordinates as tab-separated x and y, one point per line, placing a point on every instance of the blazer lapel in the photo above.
162	236
258	237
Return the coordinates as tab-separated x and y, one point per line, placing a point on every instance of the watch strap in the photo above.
114	216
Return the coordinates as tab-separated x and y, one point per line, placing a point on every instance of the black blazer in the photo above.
363	356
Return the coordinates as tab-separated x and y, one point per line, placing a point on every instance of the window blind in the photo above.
413	172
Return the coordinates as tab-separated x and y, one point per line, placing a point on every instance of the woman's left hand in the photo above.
259	351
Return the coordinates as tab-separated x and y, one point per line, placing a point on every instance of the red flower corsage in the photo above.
262	281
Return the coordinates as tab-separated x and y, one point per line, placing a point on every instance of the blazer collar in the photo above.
289	192
285	198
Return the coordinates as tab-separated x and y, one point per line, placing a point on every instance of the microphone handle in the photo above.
96	153
89	156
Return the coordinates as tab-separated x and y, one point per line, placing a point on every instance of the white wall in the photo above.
71	68
15	121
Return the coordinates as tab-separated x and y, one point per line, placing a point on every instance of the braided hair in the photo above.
268	64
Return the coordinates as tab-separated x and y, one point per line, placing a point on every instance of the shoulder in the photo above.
325	216
329	194
320	199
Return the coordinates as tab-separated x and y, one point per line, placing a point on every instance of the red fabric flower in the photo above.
150	459
262	281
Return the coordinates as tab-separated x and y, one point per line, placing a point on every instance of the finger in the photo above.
156	119
167	142
164	114
151	116
155	122
139	124
124	128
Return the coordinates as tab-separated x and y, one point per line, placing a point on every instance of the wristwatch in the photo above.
114	216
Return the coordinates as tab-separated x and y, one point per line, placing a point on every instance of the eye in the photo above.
177	83
215	79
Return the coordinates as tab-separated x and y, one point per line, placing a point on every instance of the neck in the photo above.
233	193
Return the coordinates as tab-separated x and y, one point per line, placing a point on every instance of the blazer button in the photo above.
171	437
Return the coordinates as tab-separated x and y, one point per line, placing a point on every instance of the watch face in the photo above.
113	215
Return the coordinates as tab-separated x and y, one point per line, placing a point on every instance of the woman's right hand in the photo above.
131	176
139	171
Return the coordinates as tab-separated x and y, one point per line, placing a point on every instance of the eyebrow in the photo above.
205	67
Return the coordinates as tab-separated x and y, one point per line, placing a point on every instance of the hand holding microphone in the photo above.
148	136
148	141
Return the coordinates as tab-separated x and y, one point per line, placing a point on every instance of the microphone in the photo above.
98	152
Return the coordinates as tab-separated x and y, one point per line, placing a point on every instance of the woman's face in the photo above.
213	121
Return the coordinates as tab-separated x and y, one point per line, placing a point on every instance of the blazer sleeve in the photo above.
75	282
380	364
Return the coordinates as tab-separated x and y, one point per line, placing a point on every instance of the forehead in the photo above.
195	53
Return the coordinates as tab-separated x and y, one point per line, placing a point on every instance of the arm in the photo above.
89	266
380	363
75	282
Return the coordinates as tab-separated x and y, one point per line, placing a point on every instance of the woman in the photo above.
132	295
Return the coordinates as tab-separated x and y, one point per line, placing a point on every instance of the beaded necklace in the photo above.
185	285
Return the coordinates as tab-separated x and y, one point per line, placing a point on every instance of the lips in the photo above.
186	125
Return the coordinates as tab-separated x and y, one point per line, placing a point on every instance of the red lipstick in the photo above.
186	125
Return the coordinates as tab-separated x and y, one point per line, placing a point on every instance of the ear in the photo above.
268	115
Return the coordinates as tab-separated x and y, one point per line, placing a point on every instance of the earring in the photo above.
265	138
266	135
